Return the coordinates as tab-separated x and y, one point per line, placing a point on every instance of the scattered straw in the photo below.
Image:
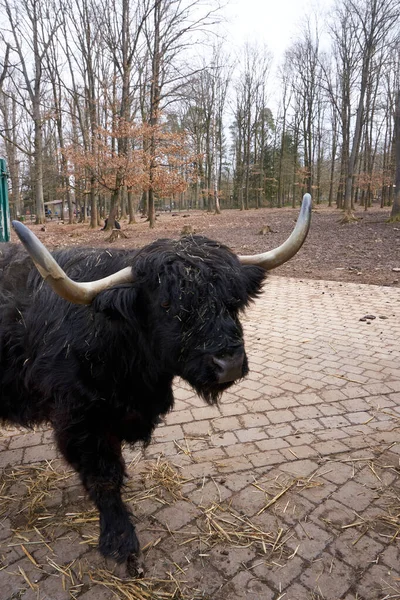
38	483
162	482
139	589
284	486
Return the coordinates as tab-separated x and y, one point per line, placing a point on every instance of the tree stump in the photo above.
348	217
266	229
115	234
188	230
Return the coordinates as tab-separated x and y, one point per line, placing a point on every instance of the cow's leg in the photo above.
98	460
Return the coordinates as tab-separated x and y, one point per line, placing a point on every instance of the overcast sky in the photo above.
273	22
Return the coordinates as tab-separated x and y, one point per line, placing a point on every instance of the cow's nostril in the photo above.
229	367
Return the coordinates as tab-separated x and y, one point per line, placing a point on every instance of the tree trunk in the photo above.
395	212
39	199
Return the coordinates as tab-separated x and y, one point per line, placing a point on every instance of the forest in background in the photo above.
108	107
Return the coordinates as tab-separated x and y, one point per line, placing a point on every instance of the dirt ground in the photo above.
367	251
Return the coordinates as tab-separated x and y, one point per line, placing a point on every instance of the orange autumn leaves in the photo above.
136	155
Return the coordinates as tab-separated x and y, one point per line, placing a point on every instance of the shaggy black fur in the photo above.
102	374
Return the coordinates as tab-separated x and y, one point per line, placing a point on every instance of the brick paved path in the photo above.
289	490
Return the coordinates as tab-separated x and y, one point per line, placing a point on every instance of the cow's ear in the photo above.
117	303
254	277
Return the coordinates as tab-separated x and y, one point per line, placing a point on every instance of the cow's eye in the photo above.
165	304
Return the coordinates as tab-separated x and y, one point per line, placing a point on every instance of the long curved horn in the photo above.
274	258
52	273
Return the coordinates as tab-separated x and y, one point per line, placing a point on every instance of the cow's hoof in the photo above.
135	566
119	546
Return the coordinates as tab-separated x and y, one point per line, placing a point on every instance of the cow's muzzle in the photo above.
229	367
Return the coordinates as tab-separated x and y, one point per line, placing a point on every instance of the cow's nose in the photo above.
229	367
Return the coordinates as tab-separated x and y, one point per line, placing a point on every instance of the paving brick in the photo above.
177	515
293	508
200	470
272	444
379	582
315	384
203	576
307	425
12	581
309	540
352	391
183	394
252	385
168	433
261	459
244	586
356	404
391	557
333	515
246	394
377	388
359	552
354	495
334	422
38	453
98	593
28	439
252	434
241	449
223	439
232	465
52	588
296	592
329	578
254	420
197	428
279	431
210	493
260	406
307	412
300	439
286	401
208	454
338	472
238	481
155	450
278	577
11	457
233	408
248	501
333	434
226	424
179	416
229	560
300	468
330	447
299	452
335	408
280	416
293	387
205	412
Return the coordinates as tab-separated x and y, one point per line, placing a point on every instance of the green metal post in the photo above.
4	208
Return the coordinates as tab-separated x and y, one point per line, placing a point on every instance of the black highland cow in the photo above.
96	360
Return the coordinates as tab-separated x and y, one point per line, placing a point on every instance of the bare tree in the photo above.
122	30
395	212
8	109
33	24
371	22
173	26
249	113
